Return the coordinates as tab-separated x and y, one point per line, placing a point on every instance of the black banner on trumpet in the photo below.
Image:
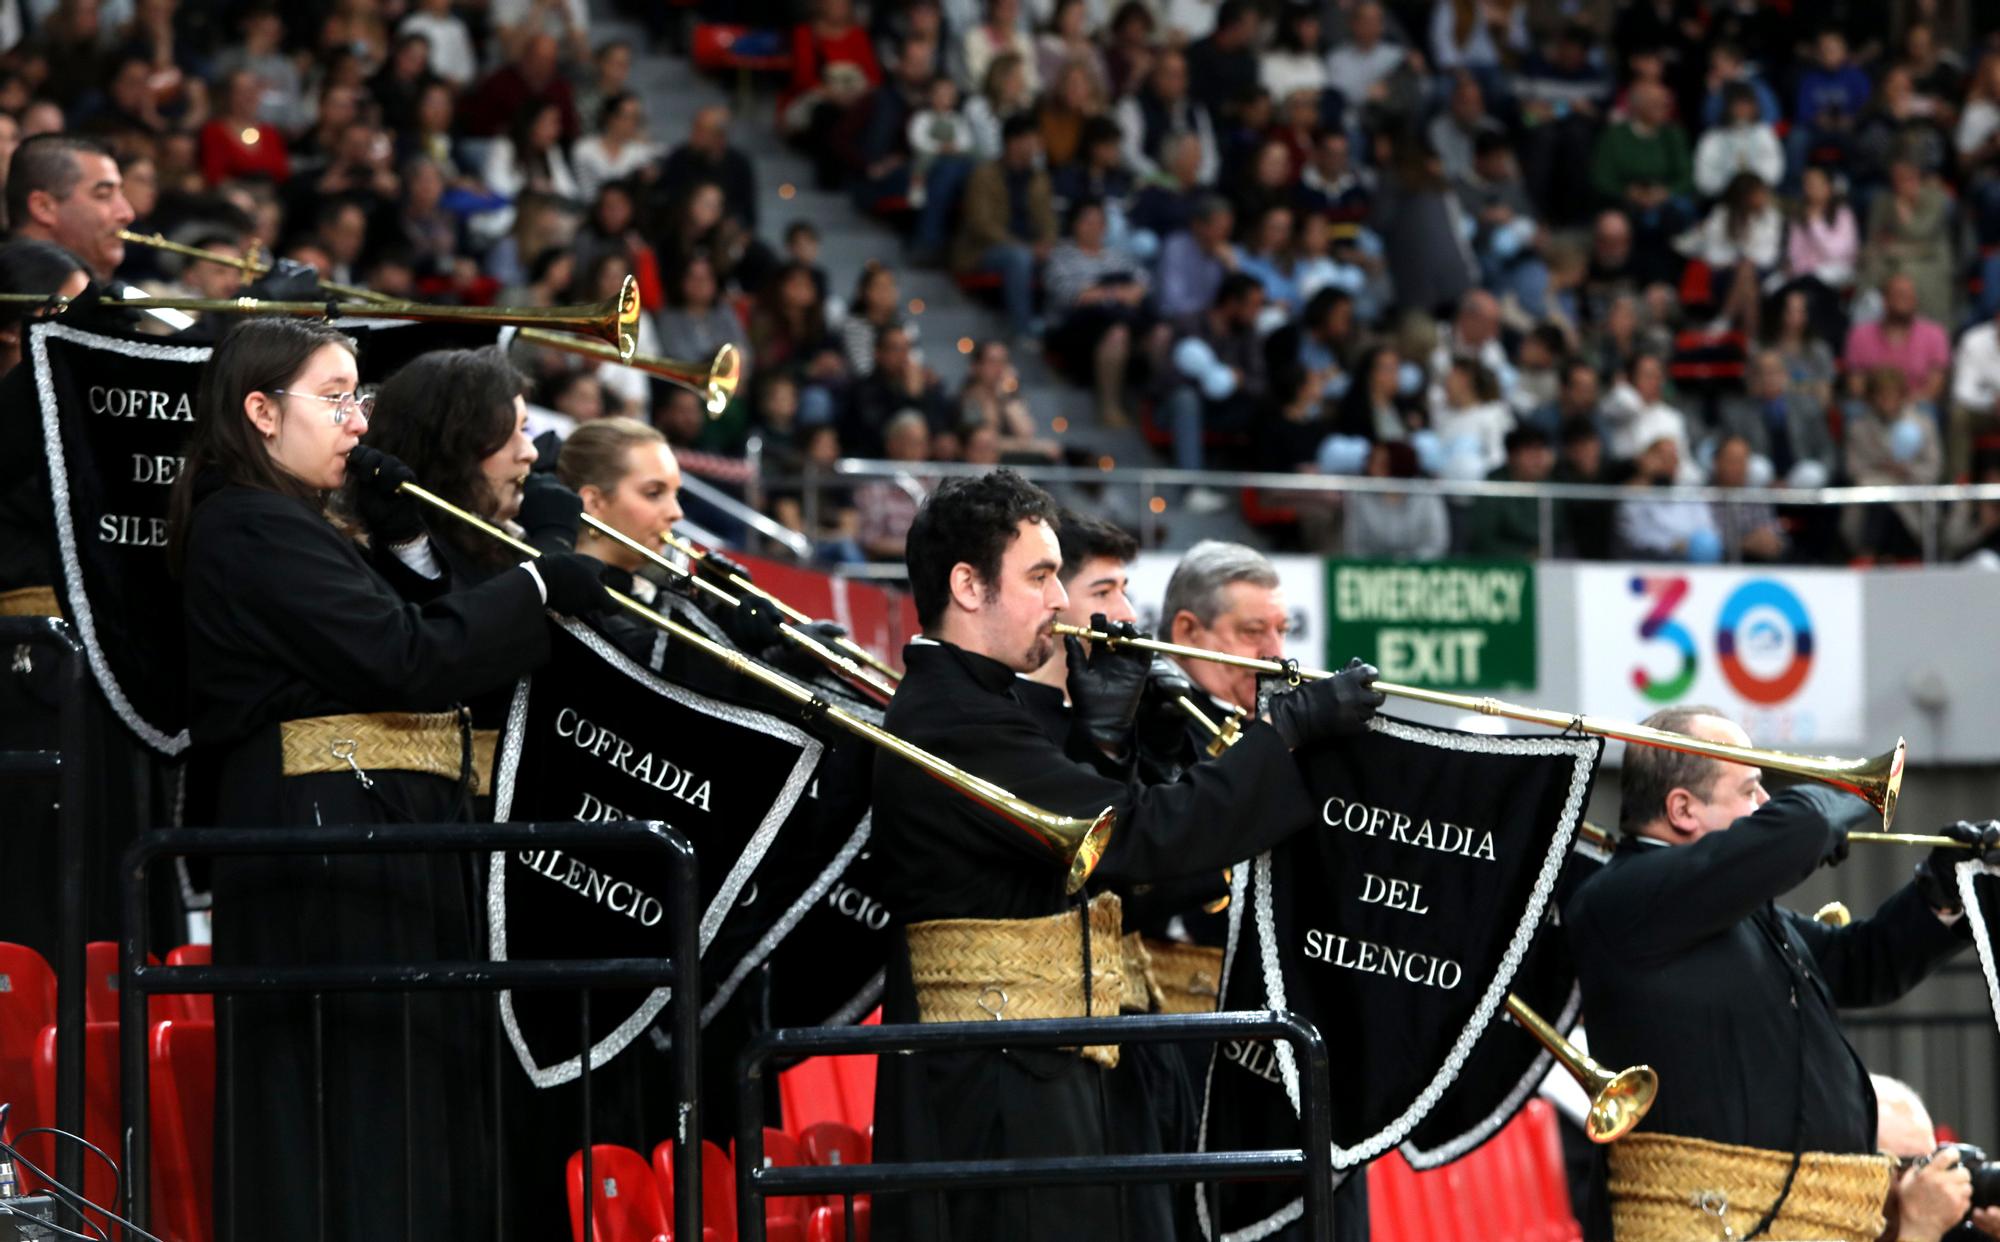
115	412
593	736
1397	924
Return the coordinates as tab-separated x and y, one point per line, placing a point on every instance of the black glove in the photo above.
550	513
390	516
575	583
548	452
1105	687
1163	723
798	659
1336	706
288	281
721	567
753	624
1936	880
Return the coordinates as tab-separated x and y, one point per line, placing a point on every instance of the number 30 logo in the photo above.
1763	640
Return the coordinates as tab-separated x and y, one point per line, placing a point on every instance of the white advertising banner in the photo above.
1301	578
1778	650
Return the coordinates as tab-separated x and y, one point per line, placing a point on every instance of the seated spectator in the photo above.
1638	407
1430	263
788	329
236	143
530	79
1332	184
1162	109
1067	41
1588	523
400	80
601	281
1471	421
1562	95
517	21
1002	32
697	321
1655	529
610	74
833	69
1322	341
1972	527
1740	240
1727	70
1265	180
1809	360
529	160
1977	144
1070	104
1454	132
701	225
1891	445
1009	224
1975	393
1486	38
1395	525
1822	246
1219	379
1096	296
1909	234
897	381
887	507
1511	526
430	133
613	227
1295	62
888	166
1744	143
1578	398
1222	65
1377	77
619	149
1904	339
1194	262
448	41
1505	232
1099	173
1004	94
1538	371
1375	408
708	156
938	132
1781	424
1831	95
1130	42
877	306
1474	334
1897	124
1293	423
1271	255
1641	165
262	52
426	231
990	404
1750	529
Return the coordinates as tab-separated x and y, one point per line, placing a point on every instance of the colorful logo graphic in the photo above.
1667	594
1763	640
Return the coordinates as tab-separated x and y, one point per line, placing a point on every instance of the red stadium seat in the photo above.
1395	1212
100	1109
830	1142
782	1151
830	1089
100	991
27	1004
714	48
190	1006
829	1224
1541	1140
182	1056
718	1189
624	1202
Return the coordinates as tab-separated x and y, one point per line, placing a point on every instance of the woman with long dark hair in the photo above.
319	695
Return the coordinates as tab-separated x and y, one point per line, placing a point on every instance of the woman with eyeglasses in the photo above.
319	695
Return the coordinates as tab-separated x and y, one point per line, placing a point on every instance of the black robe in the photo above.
945	857
286	620
1687	965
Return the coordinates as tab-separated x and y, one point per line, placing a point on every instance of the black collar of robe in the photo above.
986	673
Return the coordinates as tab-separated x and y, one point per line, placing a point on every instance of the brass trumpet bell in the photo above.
1618	1102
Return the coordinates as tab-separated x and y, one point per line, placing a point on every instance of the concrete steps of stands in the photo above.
850	238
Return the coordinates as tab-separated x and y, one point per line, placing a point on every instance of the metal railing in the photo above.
139	979
1311	1161
1157	491
735	510
69	769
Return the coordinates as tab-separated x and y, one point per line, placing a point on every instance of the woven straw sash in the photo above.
1665	1188
377	742
1187	978
972	970
34	601
485	744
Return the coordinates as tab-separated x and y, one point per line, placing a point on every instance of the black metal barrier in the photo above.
1313	1161
139	980
66	767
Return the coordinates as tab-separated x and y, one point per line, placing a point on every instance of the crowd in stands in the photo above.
1630	242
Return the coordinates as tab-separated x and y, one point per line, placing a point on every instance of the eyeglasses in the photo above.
345	404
